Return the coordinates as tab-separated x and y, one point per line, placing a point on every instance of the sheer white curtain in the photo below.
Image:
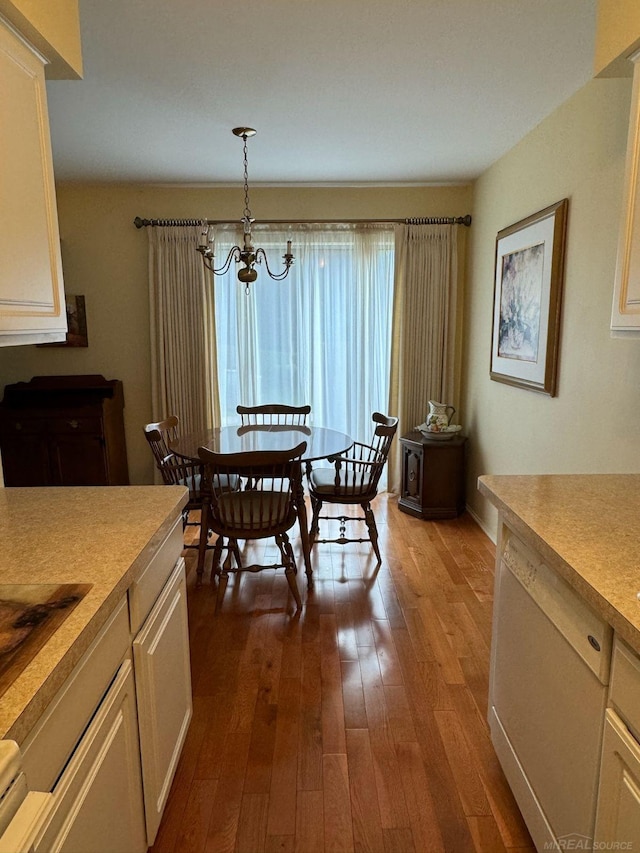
424	323
183	349
322	336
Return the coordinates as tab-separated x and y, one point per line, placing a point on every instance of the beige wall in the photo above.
105	258
593	425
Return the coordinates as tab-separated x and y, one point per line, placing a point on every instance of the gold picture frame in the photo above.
76	323
527	300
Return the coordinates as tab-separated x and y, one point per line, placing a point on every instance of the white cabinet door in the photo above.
618	816
163	685
625	314
97	803
32	306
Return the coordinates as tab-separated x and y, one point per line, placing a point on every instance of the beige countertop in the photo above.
586	527
102	536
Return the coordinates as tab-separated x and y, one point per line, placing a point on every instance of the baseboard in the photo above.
491	534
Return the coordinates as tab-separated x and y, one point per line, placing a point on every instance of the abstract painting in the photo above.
529	270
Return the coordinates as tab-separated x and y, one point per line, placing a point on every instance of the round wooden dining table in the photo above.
322	443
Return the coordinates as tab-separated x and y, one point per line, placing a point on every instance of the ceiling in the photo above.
340	91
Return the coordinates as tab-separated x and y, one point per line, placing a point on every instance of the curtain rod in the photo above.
429	220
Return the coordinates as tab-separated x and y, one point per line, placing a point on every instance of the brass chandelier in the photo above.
247	254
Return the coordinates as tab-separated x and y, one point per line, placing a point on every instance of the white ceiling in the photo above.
348	91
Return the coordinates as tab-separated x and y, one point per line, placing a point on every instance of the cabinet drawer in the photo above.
74	425
17	425
49	745
624	693
144	592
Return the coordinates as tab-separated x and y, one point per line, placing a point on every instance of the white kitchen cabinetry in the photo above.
163	682
618	815
49	746
32	306
82	759
97	803
100	760
625	314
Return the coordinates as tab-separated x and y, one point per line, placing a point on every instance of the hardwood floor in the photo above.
358	724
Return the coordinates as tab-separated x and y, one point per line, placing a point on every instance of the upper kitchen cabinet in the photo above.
625	313
617	54
53	28
32	305
617	37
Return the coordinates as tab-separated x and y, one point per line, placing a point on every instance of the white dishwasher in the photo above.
550	661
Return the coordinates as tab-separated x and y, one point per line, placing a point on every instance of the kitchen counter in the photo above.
585	526
103	536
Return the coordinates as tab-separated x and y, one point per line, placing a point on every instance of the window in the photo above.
322	336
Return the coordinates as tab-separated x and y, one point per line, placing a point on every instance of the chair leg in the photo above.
305	536
217	555
202	542
291	569
233	546
222	585
316	506
371	527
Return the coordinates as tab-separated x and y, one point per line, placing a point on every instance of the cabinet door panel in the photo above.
625	313
97	803
618	817
163	685
443	473
412	475
79	460
31	289
25	461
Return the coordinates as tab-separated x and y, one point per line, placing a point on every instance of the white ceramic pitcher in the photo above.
440	415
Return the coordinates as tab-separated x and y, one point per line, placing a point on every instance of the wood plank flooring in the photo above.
358	724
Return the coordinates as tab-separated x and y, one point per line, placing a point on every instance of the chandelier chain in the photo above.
246	254
247	209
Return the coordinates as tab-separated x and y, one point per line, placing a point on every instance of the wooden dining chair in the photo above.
353	479
269	508
274	413
176	471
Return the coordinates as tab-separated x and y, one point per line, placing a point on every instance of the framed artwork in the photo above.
527	297
77	323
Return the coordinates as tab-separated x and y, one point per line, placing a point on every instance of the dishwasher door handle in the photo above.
594	642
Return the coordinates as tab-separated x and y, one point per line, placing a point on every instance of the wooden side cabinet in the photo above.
64	431
433	476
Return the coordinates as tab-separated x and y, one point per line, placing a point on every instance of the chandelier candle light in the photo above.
247	255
